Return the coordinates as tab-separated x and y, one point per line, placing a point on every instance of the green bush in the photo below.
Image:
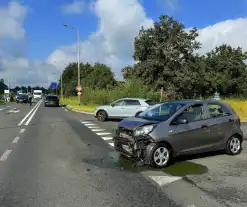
130	89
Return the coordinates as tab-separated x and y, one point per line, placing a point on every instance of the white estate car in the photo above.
122	108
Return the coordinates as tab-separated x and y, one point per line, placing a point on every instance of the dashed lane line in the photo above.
66	109
16	140
86	122
93	127
22	131
103	133
107	138
97	130
5	155
162	180
89	124
111	144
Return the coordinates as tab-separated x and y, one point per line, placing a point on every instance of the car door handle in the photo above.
204	126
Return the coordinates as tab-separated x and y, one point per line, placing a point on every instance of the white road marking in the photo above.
112	144
22	131
34	112
107	138
97	130
89	124
5	155
16	140
164	180
66	109
24	119
103	133
93	127
86	122
1	109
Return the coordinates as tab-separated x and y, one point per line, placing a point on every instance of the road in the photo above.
60	158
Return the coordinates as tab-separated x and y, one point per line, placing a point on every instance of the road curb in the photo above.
81	112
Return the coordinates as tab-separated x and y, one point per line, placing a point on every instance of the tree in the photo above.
162	52
100	77
227	69
93	76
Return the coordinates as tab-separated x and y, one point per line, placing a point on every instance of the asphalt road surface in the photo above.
54	157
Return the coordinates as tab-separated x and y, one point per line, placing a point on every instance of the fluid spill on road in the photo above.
181	168
185	168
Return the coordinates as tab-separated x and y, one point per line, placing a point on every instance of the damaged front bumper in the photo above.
134	147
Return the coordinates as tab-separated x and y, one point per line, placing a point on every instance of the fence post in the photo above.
161	93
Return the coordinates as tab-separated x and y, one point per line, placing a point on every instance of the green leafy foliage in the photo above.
166	56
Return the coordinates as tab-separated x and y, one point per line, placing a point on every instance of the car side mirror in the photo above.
182	121
112	105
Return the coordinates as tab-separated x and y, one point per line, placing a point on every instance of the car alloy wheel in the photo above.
234	145
101	115
160	156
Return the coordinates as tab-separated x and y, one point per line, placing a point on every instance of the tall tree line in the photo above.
166	55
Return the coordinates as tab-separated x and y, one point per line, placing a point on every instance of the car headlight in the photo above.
143	130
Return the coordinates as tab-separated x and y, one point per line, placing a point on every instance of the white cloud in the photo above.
11	20
76	7
12	48
232	32
112	43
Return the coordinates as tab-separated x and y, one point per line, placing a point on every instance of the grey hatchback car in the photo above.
177	128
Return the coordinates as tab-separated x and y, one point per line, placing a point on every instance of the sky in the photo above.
35	46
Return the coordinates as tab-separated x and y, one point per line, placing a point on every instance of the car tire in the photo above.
234	145
101	115
156	152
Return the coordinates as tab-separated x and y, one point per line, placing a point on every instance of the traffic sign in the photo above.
53	85
79	93
78	88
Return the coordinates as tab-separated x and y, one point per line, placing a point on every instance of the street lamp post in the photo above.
78	57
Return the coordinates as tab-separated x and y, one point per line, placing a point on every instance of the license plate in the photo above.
127	148
122	135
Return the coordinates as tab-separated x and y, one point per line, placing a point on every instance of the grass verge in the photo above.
72	104
240	106
2	102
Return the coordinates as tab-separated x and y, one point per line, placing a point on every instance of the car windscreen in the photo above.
161	112
22	96
37	93
150	102
51	98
